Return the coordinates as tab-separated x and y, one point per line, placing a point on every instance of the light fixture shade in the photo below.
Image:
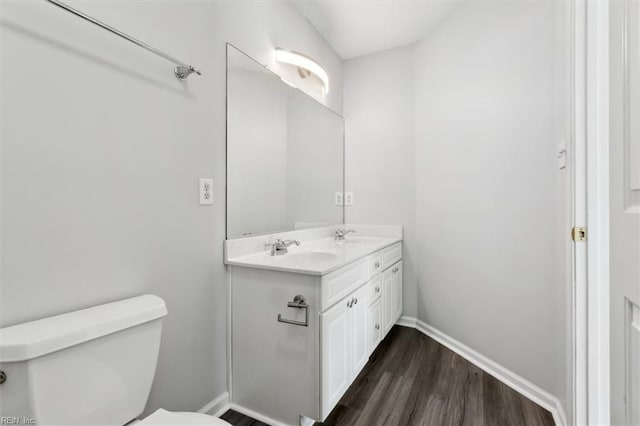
302	61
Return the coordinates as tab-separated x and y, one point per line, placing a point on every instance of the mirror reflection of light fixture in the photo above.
290	84
306	66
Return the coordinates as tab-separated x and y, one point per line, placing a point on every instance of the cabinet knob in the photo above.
377	326
356	301
377	264
377	289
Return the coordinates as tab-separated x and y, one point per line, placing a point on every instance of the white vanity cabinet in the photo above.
344	347
288	361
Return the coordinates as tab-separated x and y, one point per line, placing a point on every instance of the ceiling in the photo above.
360	27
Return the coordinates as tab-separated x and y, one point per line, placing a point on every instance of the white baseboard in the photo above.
559	416
407	322
218	406
508	377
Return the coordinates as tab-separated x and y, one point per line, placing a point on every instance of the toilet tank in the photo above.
88	367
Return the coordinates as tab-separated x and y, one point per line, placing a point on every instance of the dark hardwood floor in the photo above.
413	380
238	419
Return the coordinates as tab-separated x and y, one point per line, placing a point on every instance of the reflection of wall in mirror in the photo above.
257	153
314	163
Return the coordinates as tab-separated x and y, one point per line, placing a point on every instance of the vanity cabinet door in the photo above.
387	298
396	292
336	343
359	311
374	325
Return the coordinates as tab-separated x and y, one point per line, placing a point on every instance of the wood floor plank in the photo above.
376	398
473	403
464	393
394	417
424	383
534	415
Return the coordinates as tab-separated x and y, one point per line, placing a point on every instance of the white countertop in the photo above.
317	257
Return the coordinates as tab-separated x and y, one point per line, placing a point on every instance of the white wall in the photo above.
380	149
101	152
491	203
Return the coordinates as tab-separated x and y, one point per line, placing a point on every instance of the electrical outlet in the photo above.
339	198
206	191
348	198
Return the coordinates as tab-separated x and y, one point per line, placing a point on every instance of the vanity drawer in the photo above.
375	263
340	283
374	289
391	255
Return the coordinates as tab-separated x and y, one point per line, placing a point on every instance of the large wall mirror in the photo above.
285	153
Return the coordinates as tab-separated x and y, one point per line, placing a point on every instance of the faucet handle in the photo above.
273	244
341	232
279	243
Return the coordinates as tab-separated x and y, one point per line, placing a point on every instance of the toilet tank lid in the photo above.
30	340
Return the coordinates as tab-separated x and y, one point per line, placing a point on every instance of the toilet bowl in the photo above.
88	367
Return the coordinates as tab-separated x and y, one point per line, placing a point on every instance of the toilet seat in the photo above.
162	417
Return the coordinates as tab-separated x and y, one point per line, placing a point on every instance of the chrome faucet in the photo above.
339	234
279	246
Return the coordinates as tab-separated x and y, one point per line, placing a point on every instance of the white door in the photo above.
359	311
336	342
396	292
625	213
374	324
387	308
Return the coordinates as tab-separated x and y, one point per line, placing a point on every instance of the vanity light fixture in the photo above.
306	66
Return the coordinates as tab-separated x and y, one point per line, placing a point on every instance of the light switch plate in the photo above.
206	191
348	198
339	199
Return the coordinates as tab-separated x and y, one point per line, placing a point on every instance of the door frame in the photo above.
591	380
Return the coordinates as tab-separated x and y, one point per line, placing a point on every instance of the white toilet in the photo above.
89	367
